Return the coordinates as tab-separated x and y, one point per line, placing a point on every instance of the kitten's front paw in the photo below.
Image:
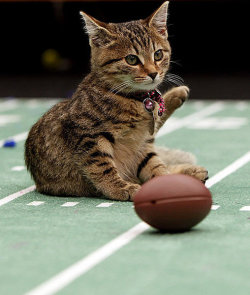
198	172
176	97
124	194
130	191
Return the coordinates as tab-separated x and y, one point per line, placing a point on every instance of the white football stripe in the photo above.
105	205
229	170
245	208
17	195
64	278
69	204
35	203
18	168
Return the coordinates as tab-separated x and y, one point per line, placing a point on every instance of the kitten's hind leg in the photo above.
73	187
174	156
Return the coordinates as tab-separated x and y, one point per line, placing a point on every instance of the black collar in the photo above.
148	99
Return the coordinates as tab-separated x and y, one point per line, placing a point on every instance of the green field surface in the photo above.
41	241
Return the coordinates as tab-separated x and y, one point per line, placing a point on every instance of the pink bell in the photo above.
149	104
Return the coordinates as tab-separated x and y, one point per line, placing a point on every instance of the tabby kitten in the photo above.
101	141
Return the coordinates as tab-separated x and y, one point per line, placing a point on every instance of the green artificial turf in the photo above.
38	242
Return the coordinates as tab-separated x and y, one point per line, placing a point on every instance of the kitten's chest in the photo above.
127	154
139	126
130	148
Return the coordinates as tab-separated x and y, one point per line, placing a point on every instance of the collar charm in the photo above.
149	102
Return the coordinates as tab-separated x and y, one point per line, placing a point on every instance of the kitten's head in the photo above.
132	56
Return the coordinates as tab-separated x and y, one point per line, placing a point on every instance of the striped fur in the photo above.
98	142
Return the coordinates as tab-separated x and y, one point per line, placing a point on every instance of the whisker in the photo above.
175	76
168	82
175	62
173	81
121	87
117	86
177	82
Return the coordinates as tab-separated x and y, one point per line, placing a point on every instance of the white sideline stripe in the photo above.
215	207
190	119
64	278
69	204
229	170
17	138
71	273
17	195
105	205
245	208
35	203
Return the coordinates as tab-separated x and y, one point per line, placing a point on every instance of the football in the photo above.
173	203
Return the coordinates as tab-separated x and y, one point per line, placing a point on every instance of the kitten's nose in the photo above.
153	75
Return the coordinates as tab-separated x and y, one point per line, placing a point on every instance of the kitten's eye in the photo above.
158	55
132	60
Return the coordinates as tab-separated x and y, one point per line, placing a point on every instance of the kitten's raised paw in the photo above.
177	96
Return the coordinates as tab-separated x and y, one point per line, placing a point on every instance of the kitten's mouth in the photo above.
131	84
146	83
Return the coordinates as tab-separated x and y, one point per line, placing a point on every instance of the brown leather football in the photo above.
173	202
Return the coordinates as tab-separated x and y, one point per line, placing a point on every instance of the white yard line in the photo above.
17	195
229	170
71	273
82	266
190	119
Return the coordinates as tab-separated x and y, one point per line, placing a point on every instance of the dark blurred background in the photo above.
45	52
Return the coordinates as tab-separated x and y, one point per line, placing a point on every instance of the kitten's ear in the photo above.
158	19
98	33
